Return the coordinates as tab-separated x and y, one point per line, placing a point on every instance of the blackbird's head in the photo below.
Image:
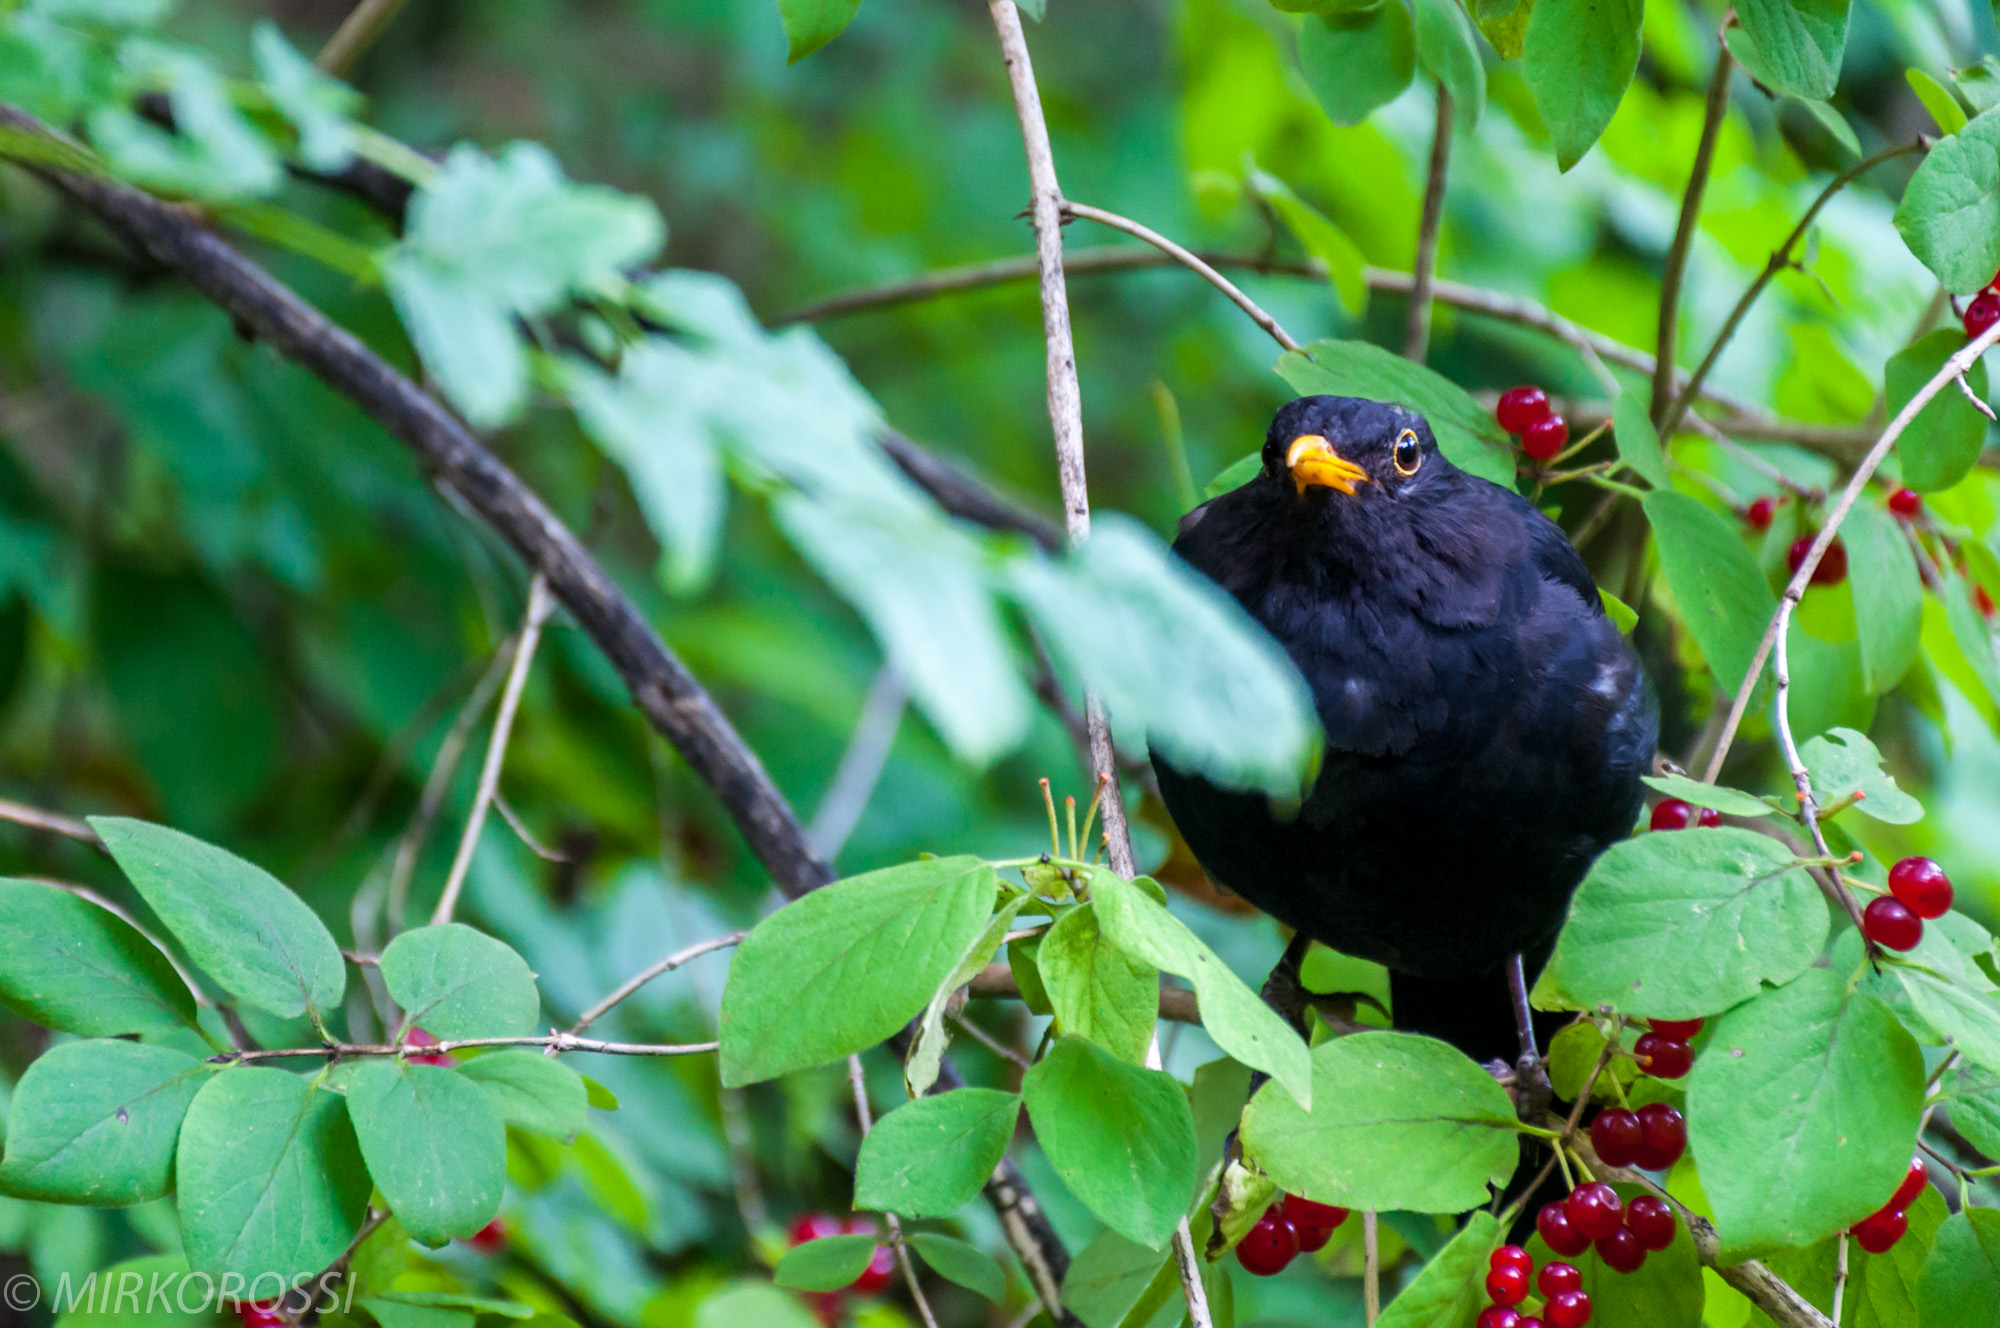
1330	449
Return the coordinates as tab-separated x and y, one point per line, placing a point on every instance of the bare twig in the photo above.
866	1119
860	767
1371	1269
1186	258
35	818
555	1043
521	831
1802	782
991	1043
1417	326
1839	1275
645	975
1677	255
357	32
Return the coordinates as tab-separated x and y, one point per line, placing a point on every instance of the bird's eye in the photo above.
1409	454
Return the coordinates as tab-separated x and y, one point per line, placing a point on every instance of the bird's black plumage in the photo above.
1486	725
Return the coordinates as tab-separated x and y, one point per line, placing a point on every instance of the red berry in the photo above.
1982	313
1708	816
1671	814
1529	1321
489	1239
1906	502
826	1306
1595	1210
1511	1256
1557	1277
260	1314
1545	437
1832	569
1303	1213
1983	600
1554	1224
1922	886
1665	1134
1616	1136
1878	1232
1520	407
1758	515
813	1226
1567	1309
1498	1316
417	1037
1506	1285
1663	1058
1889	923
1680	1030
875	1278
1269	1246
1912	1186
1650	1221
1621	1251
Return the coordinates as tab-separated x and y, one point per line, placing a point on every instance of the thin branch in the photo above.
641	978
860	767
866	1119
1839	1275
1371	1269
1186	258
1677	256
357	32
1417	328
555	1043
1802	782
991	1043
1795	590
521	831
55	823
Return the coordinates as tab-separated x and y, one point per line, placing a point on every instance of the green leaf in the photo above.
1577	58
78	968
956	1261
1974	1106
1881	1288
1970	631
316	105
239	922
1960	1285
926	1054
931	1157
1398	1121
1235	475
1114	1281
811	24
1950	213
1024	962
95	1122
1728	801
1236	1017
528	1089
147	1292
846	966
1683	924
434	1144
1638	442
1937	99
743	1303
1979	84
1723	596
1843	762
399	1314
1356	62
1346	268
455	982
1574	1053
599	1096
1941	445
1888	596
1465	430
455	1300
1792	46
1449	53
1623	616
212	153
1098	990
1801	1112
269	1176
1833	122
1121	1138
830	1263
1970	1018
1450	1289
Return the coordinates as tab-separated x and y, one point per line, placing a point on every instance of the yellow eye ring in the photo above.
1409	453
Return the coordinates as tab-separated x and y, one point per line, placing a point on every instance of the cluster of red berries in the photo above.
1664	1053
1653	1137
261	1314
1832	568
1594	1215
1679	814
1564	1304
1524	412
1290	1227
1879	1231
874	1279
1918	889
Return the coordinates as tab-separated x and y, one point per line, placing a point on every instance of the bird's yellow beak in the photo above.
1312	460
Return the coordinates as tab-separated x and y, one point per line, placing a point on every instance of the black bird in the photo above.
1486	725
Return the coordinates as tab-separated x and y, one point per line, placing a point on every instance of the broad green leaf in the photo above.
1937	99
1450	1289
1176	661
457	1300
1728	801
1577	58
268	1175
1942	443
1675	925
1960	1284
1843	762
956	1261
1121	1138
434	1144
1114	1281
1622	615
74	967
847	965
1827	689
1449	53
811	24
1465	430
741	1304
1950	213
212	153
1346	268
399	1314
920	1066
317	106
1574	1053
1024	962
1235	475
1970	1018
1881	1288
1505	24
239	922
455	982
1357	62
1398	1121
930	1157
1723	596
147	1292
1665	1292
95	1122
1980	83
1792	46
1970	632
1973	1103
1888	596
1638	442
1236	1017
1801	1113
1098	990
528	1089
827	1264
1833	122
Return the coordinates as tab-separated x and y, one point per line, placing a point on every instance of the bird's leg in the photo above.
1532	1090
1285	993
